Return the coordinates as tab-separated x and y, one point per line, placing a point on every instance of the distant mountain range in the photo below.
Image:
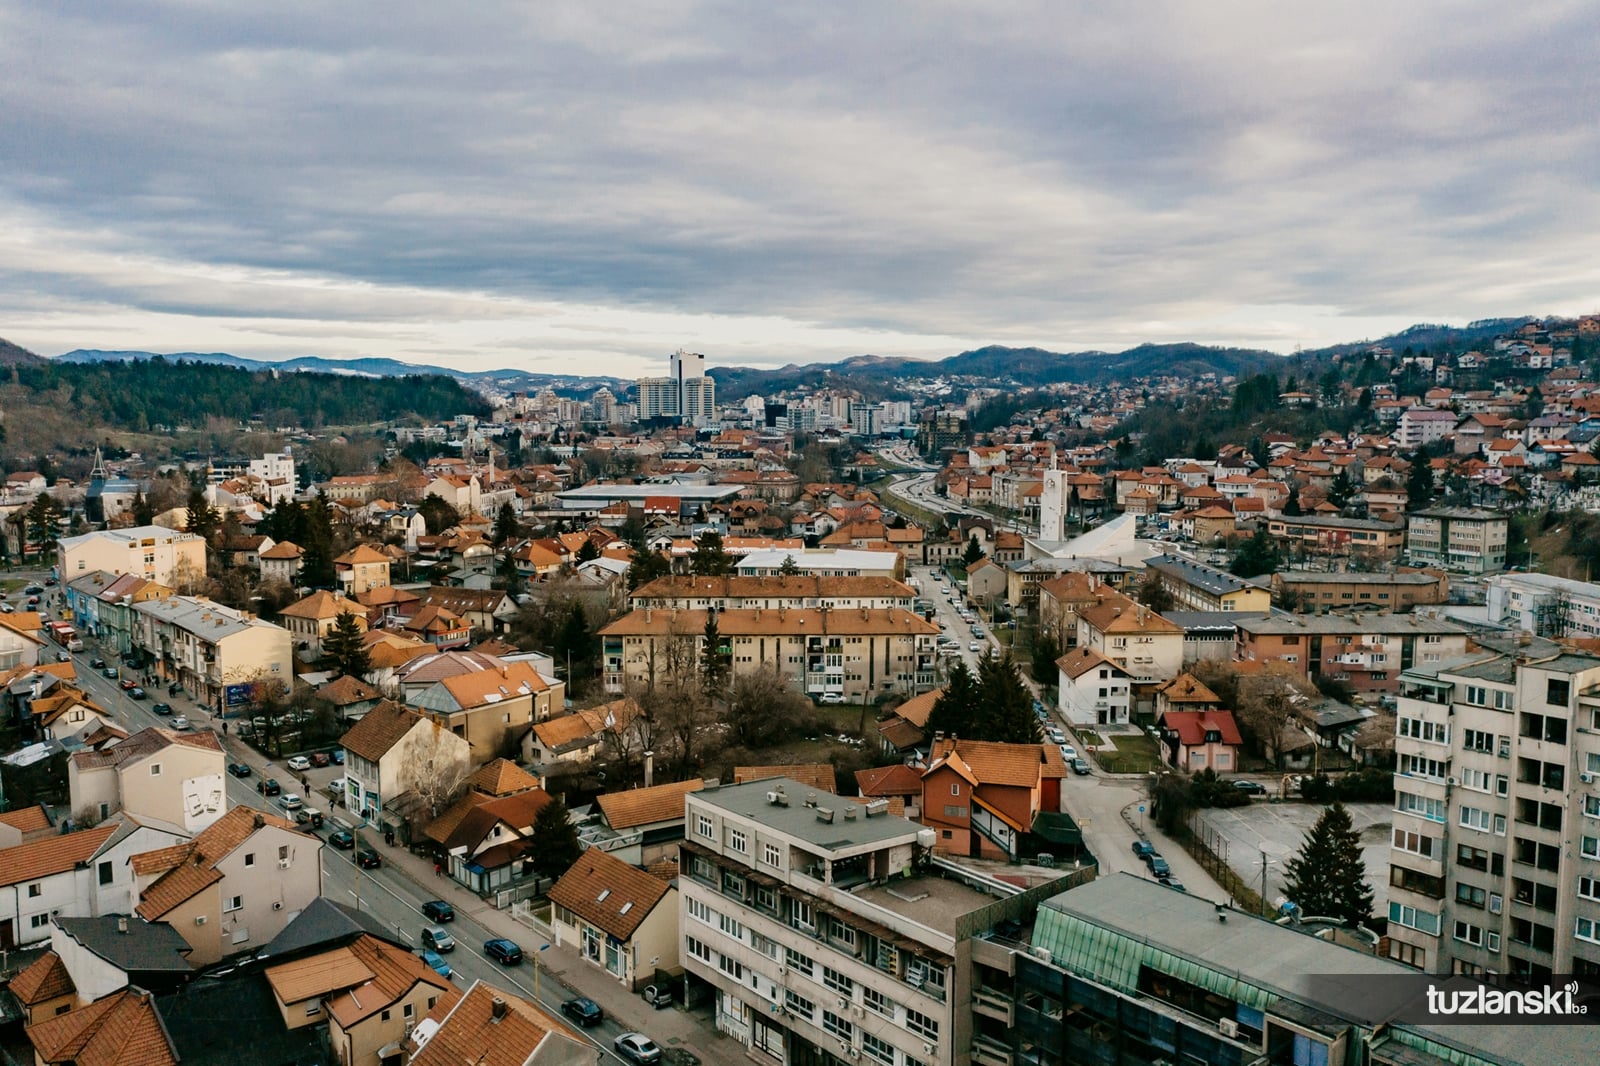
873	376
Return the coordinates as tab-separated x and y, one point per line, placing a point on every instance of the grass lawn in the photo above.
845	717
1136	754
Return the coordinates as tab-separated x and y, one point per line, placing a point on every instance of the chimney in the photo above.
122	924
649	768
259	821
497	1009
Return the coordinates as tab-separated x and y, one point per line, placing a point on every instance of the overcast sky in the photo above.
581	188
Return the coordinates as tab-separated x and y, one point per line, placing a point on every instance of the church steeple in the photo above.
99	471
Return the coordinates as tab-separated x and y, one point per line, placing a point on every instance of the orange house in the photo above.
980	796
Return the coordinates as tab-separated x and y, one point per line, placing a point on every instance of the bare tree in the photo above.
627	732
435	768
764	707
676	700
1267	703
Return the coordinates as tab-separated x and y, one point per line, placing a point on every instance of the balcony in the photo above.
990	1052
992	1003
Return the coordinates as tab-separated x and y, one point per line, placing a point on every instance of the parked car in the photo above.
505	952
309	817
1143	848
658	996
342	839
1068	752
831	698
337	755
438	939
320	758
368	859
1158	865
180	722
239	769
136	693
584	1011
97	663
973	646
1251	788
298	763
163	709
637	1049
269	787
437	910
436	963
128	683
1080	767
289	801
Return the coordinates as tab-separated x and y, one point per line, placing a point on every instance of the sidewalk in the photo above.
562	973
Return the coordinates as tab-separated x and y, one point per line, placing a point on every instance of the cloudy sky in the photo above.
585	187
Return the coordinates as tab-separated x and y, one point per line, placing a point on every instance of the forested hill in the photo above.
142	395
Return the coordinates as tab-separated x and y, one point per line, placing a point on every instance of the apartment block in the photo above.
1462	539
1368	650
1496	854
1544	605
154	553
1315	591
823	938
215	652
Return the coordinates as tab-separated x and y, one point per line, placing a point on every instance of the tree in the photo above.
789	567
434	768
1045	651
765	708
575	643
555	839
1291	506
344	649
646	566
1005	705
709	558
973	553
1267	701
1419	483
43	523
1258	555
316	570
203	520
587	551
956	709
1153	593
714	659
143	513
505	525
1342	489
1328	878
437	514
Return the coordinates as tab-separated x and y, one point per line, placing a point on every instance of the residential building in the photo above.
485	610
1092	689
1139	640
67	713
641	826
104	1032
46	878
309	620
154	553
581	736
983	797
361	569
821	941
687	394
234	886
1201	740
1314	591
1496	856
1197	587
1423	425
160	775
496	1028
281	564
1129	971
619	918
1544	605
903	731
1368	650
771	592
394	750
487	836
1337	537
857	653
823	562
113	619
215	652
1461	539
276	471
490	708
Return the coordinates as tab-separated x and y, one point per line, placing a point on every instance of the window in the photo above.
1591	806
1477	740
921	1024
1469	934
1420	766
1470	895
1412	918
1477	780
736	840
954	812
1421	806
234	903
1588	929
1416	843
771	855
1476	818
768	947
838	1026
283	853
732	967
877	1049
1589	887
799	1005
39	921
797	962
699	911
837	981
699	950
801	915
1589	847
1417	729
250	859
35	890
1558	692
1472	858
730	926
767	899
877	1002
155	769
955	789
704	828
385	1015
313	1010
106	873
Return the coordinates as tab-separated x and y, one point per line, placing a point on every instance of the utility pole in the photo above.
1265	913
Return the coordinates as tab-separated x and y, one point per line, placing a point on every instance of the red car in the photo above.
128	684
320	758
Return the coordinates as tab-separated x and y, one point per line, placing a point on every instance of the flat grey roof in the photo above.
1199	575
1347	577
749	800
1279	959
1321	521
1475	513
936	902
1193	621
1324	624
207	620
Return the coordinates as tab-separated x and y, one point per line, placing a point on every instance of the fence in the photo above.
1210	849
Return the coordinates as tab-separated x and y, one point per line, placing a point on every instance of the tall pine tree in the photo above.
344	648
1328	878
956	709
1005	705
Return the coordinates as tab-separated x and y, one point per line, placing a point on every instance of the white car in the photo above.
290	802
830	697
1068	752
298	762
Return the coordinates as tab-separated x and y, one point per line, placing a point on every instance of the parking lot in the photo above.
1279	829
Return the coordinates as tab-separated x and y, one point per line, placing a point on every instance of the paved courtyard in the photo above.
1241	834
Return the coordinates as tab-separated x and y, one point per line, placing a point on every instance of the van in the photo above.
74	644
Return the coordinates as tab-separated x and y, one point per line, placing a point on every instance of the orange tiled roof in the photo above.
468	1032
123	1029
196	870
813	775
608	893
46	978
992	763
51	855
502	777
644	806
379	729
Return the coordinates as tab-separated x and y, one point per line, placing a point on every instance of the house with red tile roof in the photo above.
619	918
1200	740
487	1026
981	797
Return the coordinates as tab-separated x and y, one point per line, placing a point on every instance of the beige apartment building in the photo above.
1462	539
154	553
215	652
158	775
361	569
487	708
688	592
854	653
234	886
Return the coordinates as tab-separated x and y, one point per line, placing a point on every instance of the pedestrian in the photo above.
436	868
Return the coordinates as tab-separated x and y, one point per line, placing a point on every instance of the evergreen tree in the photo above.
789	568
1259	555
203	520
956	709
1328	878
1046	650
1291	506
1419	484
437	514
709	558
43	523
316	569
587	551
714	663
1342	489
1005	705
646	567
343	648
574	642
143	513
505	525
555	838
973	553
